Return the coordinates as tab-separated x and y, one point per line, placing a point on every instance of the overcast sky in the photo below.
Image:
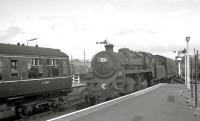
156	26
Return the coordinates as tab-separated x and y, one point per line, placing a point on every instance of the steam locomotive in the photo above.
32	78
119	73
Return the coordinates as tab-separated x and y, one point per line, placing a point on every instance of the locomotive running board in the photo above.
86	111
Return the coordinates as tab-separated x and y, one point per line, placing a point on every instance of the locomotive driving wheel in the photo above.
25	111
129	85
144	83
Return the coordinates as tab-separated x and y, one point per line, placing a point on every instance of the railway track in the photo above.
48	114
73	102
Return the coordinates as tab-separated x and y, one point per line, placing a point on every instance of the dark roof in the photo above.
30	51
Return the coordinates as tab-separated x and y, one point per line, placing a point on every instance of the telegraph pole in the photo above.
192	80
196	82
84	63
71	57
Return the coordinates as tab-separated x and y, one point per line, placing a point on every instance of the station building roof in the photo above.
11	49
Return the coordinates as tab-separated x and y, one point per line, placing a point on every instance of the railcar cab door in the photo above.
16	68
13	69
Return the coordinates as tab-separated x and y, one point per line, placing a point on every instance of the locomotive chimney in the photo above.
109	47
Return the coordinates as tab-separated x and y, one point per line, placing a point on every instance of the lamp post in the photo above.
188	63
31	40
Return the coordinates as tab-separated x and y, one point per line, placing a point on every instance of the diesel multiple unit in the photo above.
31	77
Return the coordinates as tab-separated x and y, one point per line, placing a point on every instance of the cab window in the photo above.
52	67
14	68
35	68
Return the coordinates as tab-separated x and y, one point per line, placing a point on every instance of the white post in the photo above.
188	64
178	59
185	70
179	68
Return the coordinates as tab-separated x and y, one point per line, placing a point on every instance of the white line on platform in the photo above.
111	101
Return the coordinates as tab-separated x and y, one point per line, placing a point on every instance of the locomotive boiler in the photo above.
125	71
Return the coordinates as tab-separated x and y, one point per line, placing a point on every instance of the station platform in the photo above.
162	102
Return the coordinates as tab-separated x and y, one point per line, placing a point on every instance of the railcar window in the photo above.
65	67
1	68
14	70
52	67
35	68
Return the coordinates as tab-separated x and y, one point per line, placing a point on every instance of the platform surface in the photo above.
162	104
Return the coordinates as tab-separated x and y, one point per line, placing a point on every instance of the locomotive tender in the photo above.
114	74
31	77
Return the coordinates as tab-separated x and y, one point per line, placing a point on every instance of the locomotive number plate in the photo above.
103	60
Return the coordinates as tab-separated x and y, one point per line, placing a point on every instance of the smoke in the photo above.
10	33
